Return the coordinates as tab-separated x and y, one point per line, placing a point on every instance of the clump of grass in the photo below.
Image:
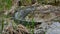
31	26
5	4
26	2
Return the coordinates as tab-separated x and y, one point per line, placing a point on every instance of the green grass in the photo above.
25	2
5	4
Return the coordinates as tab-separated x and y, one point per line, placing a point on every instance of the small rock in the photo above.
41	29
54	28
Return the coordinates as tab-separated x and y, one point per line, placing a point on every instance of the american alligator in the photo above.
46	13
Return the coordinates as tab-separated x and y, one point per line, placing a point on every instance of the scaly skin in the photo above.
22	13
